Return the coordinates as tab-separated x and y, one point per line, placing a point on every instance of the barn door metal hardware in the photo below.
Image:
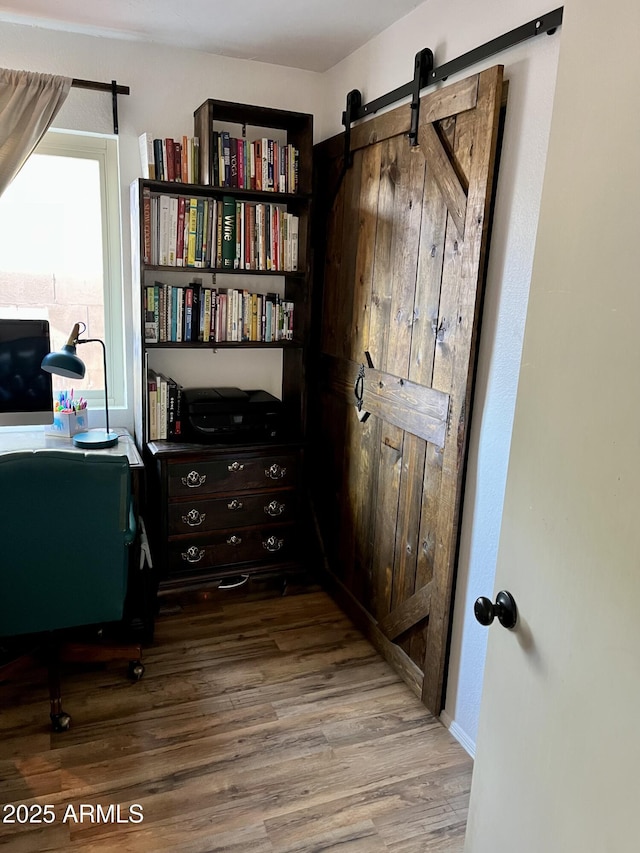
426	75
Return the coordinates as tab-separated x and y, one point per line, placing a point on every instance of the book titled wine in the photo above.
228	232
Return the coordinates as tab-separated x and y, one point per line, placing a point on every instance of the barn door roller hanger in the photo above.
425	74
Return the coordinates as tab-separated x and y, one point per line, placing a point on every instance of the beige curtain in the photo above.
28	104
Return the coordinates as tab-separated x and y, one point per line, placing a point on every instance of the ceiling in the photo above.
310	34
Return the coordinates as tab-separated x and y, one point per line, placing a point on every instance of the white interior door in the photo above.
558	758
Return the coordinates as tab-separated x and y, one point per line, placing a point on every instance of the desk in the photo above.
140	606
35	439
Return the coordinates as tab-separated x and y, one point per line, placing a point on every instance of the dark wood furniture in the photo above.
234	519
224	514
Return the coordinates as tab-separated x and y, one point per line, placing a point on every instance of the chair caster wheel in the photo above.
136	670
60	722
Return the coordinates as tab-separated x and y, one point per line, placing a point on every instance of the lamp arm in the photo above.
73	337
104	362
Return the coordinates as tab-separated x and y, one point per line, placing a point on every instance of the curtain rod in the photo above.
104	87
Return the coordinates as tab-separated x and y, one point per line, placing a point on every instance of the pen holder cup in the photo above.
67	424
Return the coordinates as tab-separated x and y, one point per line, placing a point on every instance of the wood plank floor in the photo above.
261	726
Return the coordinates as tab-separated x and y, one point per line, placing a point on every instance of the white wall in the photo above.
167	85
451	28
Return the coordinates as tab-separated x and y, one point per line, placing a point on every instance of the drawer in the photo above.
231	473
200	515
255	545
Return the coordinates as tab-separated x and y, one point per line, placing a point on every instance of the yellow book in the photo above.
193	227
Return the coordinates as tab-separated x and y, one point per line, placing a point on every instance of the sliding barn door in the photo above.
400	254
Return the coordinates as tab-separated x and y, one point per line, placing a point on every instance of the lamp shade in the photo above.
65	362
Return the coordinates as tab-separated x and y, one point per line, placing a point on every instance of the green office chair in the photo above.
66	522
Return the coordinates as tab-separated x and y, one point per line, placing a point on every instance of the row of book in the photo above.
199	313
164	407
264	164
224	233
170	159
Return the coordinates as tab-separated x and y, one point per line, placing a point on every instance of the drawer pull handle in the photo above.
193	554
194	480
274	509
235	466
235	505
194	518
234	540
275	472
272	544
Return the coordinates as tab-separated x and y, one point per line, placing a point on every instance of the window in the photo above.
60	255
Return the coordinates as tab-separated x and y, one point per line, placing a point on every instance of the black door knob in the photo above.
504	608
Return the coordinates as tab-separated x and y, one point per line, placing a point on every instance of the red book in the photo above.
171	161
241	164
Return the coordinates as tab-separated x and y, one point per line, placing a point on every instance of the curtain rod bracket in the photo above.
114	101
112	87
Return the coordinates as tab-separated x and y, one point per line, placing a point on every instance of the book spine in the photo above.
174	313
215	165
192	228
188	313
146	226
157	159
196	159
150	321
241	163
180	314
180	233
163	259
228	232
152	406
233	162
174	409
147	162
294	243
195	311
162	406
226	158
172	240
199	232
171	160
238	235
206	315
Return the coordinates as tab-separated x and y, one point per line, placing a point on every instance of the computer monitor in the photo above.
25	389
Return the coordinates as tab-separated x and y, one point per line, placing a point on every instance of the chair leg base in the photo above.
60	722
136	670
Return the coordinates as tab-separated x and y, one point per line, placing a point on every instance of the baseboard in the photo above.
459	734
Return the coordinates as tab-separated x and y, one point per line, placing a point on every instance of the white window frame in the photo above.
103	149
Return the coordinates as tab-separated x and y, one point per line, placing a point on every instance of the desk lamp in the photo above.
65	362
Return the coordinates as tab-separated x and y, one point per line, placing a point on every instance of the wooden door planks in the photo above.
269	725
423	260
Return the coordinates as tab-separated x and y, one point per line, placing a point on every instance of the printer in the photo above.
230	415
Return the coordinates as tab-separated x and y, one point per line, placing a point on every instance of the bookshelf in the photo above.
224	265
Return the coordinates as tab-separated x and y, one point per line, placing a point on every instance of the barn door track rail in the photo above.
425	74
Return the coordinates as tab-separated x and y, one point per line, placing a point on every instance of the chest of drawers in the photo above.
221	511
